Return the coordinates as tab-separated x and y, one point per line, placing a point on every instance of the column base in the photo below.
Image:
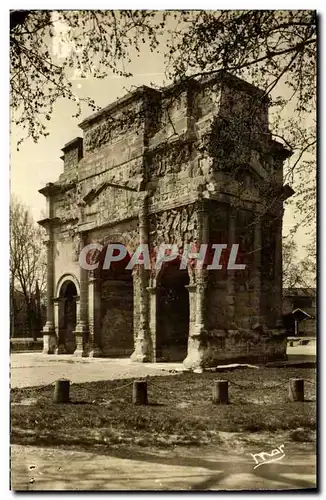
60	349
81	334
80	352
95	352
140	354
197	355
49	342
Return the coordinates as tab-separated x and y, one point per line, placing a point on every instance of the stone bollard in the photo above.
220	392
61	391
296	389
139	392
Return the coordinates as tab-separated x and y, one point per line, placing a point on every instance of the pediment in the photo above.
94	193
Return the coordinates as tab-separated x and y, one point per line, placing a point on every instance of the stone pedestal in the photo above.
196	357
80	351
49	340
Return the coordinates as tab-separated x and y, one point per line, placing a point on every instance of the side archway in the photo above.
67	296
62	283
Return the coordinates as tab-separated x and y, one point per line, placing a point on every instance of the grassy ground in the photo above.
180	410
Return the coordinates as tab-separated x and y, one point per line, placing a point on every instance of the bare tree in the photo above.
298	273
27	265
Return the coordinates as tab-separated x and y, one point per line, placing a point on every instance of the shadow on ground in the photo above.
116	469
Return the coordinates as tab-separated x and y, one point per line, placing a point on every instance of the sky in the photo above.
34	165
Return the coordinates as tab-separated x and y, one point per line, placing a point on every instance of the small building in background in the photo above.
299	311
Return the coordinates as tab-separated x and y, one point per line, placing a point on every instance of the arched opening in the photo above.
116	322
67	316
172	313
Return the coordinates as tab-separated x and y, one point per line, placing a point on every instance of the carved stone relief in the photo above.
168	160
176	226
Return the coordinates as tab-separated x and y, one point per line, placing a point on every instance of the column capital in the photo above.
57	300
93	277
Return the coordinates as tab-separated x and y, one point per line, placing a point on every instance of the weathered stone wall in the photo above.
217	311
66	252
242	346
173	117
209	139
268	270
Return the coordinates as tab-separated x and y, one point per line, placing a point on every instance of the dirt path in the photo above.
35	468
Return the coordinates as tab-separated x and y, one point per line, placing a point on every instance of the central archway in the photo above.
172	313
116	311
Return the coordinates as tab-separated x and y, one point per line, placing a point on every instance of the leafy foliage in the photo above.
48	48
298	273
275	50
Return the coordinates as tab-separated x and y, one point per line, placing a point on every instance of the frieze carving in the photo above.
168	160
111	128
176	226
70	204
130	239
97	136
113	205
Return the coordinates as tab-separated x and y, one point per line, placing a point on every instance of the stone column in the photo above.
198	335
142	337
152	321
82	329
94	313
192	305
49	335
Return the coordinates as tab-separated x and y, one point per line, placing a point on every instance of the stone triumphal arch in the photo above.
193	163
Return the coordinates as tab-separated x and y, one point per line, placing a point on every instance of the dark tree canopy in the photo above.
275	50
